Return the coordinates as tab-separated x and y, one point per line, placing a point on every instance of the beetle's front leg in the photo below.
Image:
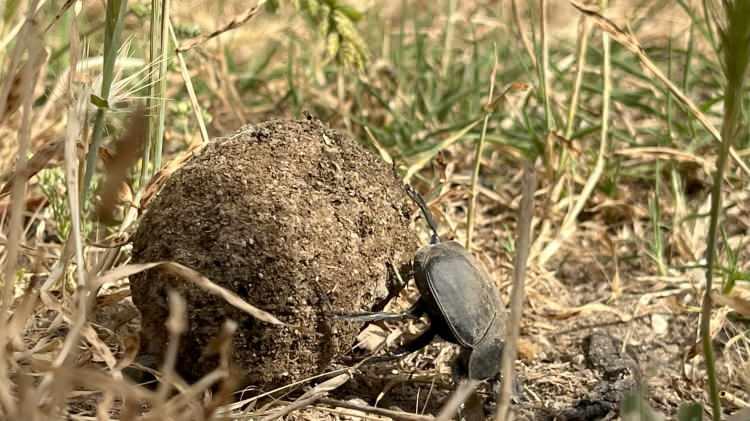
397	279
414	312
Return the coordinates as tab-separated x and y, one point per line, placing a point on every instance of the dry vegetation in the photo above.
624	131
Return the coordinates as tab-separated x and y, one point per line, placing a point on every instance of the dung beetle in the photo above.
461	300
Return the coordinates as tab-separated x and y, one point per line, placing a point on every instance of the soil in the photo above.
296	219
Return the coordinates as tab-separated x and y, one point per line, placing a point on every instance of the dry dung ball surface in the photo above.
296	219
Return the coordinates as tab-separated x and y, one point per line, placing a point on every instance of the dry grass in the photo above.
608	252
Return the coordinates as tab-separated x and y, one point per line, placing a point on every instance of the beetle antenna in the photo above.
419	200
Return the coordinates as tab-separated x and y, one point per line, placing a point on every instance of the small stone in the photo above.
659	324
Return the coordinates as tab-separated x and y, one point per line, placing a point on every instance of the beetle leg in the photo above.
414	345
484	360
397	280
414	312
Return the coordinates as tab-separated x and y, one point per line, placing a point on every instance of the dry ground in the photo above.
602	274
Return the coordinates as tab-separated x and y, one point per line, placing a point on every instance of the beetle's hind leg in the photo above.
414	312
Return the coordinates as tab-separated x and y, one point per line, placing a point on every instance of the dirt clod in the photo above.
620	375
296	219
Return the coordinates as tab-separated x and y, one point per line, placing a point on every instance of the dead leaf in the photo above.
735	302
41	160
128	149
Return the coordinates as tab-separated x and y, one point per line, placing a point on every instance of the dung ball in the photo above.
295	218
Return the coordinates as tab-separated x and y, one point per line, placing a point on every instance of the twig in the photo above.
523	244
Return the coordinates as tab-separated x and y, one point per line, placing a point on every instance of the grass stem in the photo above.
115	12
162	88
571	217
734	33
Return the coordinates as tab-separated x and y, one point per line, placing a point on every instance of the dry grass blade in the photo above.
522	32
738	304
76	113
223	346
310	396
99	380
234	23
584	31
569	223
39	161
176	325
128	149
471	215
245	402
518	294
30	69
544	68
192	276
33	42
21	315
664	153
12	33
159	89
98	347
396	415
555	311
423	158
60	12
188	395
459	396
630	42
384	155
189	87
